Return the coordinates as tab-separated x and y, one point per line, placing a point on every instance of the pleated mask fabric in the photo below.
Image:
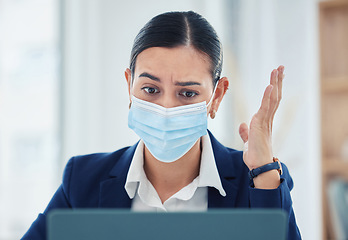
168	133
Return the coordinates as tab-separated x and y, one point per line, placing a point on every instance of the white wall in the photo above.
28	111
286	32
98	37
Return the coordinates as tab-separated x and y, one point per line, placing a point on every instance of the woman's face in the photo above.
171	77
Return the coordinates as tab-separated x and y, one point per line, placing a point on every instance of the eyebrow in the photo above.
148	75
182	84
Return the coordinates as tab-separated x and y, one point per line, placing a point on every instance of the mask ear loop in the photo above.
212	96
212	114
131	85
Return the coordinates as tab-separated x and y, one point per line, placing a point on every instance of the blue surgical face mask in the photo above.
168	133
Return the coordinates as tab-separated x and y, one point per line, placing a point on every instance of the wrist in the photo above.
267	176
267	180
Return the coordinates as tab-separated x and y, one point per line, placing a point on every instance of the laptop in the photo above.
102	224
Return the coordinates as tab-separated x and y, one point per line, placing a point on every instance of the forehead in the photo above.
178	64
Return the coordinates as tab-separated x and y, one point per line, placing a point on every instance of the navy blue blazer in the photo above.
97	181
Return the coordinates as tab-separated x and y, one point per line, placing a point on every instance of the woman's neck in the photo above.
169	178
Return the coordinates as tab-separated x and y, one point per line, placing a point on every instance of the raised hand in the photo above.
258	136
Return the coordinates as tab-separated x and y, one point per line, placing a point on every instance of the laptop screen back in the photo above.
88	224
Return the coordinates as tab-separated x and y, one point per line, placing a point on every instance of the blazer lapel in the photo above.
228	175
112	192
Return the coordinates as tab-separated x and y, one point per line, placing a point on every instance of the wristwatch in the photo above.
265	168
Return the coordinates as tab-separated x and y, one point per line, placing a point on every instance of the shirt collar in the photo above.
208	175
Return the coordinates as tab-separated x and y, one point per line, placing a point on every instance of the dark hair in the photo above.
173	29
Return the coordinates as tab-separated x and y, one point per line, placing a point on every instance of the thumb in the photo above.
244	132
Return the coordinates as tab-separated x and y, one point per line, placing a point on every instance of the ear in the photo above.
128	75
220	92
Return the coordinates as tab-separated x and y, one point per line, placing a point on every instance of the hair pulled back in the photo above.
174	29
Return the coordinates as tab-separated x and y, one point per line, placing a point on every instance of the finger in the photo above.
281	76
265	104
244	132
280	88
274	97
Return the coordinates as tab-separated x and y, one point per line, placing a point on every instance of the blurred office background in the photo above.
63	91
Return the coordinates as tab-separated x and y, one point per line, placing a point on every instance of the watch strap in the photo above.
265	168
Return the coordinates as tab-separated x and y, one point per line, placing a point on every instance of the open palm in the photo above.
258	136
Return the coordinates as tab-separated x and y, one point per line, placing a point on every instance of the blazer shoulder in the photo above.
83	174
97	161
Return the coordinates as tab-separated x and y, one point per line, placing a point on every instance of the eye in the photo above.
188	94
150	90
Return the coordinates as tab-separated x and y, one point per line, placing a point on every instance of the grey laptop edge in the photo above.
102	224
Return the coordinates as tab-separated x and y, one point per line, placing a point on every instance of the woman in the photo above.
174	84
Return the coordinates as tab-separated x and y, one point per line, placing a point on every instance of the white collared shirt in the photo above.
193	197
